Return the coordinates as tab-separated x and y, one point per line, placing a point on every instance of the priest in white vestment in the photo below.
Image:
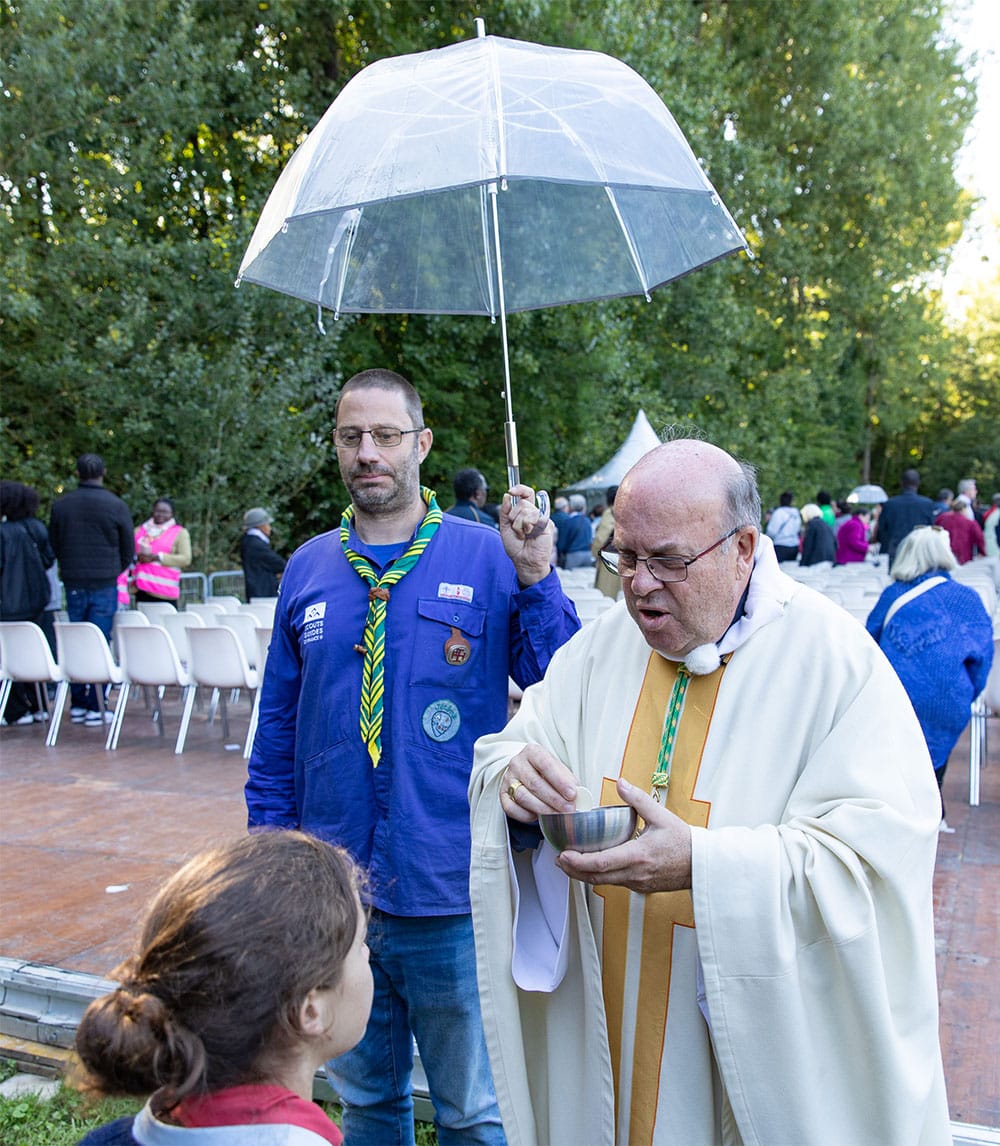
757	965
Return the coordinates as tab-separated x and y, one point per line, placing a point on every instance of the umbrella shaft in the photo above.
513	465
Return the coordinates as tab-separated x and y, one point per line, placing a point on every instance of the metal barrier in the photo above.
227	583
194	587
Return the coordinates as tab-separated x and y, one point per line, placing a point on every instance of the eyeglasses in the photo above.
665	569
384	437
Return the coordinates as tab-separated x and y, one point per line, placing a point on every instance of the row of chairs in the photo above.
178	625
260	607
149	659
578	585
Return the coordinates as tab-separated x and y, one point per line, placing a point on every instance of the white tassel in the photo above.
703	660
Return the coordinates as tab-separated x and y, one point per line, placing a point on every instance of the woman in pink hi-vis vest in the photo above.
163	549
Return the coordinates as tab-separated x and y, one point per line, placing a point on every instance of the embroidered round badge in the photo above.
441	720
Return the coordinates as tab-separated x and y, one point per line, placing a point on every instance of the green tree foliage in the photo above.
959	425
140	139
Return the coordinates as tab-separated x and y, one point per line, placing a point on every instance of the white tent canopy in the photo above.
641	439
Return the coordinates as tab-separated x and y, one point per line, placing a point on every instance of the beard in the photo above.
396	496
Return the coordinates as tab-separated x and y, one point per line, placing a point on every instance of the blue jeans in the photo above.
425	987
98	606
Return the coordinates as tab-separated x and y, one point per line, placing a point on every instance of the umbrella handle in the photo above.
514	473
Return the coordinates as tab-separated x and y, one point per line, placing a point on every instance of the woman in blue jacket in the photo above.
938	637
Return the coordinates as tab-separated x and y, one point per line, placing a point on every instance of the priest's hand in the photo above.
534	782
527	535
657	860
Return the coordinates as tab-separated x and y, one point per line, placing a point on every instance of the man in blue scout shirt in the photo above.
394	639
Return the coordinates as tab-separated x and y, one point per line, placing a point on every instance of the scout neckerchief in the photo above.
373	670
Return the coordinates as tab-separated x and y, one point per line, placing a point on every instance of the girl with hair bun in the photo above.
252	971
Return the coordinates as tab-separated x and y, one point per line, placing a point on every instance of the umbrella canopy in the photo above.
384	207
641	439
867	495
489	176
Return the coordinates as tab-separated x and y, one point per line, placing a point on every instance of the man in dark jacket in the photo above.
901	513
261	565
470	498
91	535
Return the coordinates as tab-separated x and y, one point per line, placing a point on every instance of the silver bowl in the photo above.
593	831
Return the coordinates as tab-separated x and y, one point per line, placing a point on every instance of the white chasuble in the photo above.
814	813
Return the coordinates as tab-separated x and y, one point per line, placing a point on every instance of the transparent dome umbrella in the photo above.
867	495
488	177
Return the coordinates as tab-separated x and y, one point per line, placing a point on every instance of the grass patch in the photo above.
29	1120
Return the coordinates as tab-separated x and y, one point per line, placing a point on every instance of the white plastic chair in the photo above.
85	658
245	626
229	602
272	601
25	656
149	658
263	611
123	618
218	662
590	608
177	625
208	612
263	644
154	610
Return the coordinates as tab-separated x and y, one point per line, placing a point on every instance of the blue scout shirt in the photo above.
407	821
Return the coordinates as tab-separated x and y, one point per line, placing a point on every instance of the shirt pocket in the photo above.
438	621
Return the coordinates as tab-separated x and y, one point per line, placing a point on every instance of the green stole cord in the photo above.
665	758
373	671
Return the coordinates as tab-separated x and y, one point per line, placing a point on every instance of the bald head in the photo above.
680	500
695	471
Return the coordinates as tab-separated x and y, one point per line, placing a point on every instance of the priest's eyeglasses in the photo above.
663	568
384	437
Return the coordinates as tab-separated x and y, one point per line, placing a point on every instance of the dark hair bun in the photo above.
130	1044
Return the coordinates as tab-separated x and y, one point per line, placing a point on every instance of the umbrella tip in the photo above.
480	27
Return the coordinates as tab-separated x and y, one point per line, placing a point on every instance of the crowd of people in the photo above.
853	528
91	562
602	997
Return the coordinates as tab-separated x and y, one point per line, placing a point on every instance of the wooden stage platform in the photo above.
87	835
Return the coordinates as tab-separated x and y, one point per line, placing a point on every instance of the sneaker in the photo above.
40	717
943	827
26	719
78	715
93	719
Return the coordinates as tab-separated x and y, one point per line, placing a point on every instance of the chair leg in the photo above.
975	750
252	730
55	719
5	686
224	711
158	712
119	718
189	692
